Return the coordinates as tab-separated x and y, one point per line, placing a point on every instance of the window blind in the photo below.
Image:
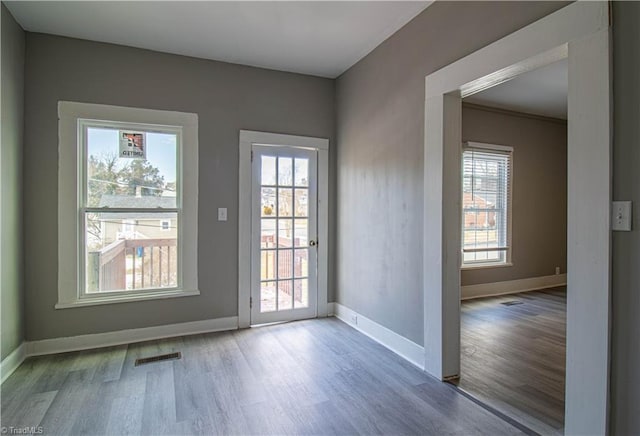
486	184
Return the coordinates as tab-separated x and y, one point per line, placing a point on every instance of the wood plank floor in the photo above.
513	357
309	377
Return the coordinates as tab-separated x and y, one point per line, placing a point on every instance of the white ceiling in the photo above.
538	92
310	37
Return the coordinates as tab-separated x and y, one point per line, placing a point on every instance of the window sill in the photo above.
486	266
111	299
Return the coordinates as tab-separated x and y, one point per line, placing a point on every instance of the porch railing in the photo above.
133	264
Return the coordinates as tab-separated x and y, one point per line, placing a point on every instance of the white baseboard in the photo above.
331	309
400	345
12	361
84	342
512	286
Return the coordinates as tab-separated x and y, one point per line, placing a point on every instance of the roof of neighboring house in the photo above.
143	202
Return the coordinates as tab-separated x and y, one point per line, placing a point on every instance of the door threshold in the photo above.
489	408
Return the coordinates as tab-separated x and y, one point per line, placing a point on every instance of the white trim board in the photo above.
98	340
12	361
481	290
581	33
400	345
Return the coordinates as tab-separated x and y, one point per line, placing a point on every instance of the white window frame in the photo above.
71	167
499	149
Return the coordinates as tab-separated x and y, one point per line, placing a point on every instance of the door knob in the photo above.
313	243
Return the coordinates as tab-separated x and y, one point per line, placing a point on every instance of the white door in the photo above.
284	234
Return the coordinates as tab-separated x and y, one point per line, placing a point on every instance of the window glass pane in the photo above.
132	250
268	202
301	263
285	264
285	233
284	202
268	170
268	233
285	171
146	180
267	296
301	293
302	202
302	172
285	297
302	233
268	265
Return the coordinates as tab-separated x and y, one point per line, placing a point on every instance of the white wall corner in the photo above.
331	309
12	361
400	345
98	340
512	286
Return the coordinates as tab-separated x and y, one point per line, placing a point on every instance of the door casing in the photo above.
579	32
246	141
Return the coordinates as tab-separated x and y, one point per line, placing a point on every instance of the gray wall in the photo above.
539	206
625	382
380	108
226	98
12	303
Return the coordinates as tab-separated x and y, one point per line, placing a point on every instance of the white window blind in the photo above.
486	184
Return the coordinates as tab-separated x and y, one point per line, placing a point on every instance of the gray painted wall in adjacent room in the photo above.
380	108
625	359
11	276
539	199
226	98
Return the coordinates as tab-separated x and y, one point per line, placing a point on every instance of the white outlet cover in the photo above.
222	214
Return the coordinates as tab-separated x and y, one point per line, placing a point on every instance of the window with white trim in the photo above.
127	210
486	205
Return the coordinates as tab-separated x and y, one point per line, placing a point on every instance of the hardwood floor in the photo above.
309	377
513	357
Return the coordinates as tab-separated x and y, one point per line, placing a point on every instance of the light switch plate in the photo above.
222	214
621	216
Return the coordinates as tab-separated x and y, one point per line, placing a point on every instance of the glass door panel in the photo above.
284	267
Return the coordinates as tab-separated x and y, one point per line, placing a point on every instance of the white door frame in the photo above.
579	32
247	139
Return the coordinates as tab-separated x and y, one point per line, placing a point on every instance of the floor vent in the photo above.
160	358
512	303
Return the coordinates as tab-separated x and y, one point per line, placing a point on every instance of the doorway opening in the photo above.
579	33
513	247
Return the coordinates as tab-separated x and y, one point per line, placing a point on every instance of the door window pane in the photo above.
267	296
302	172
301	293
268	202
268	170
285	233
268	233
285	291
302	232
285	202
268	265
302	202
285	264
285	171
301	263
